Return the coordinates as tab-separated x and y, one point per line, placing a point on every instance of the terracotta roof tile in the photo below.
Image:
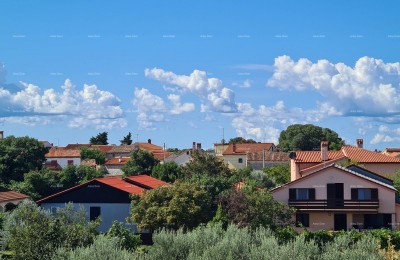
268	156
9	195
145	180
247	148
62	152
315	156
117	161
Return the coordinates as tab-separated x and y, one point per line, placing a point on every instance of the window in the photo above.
364	194
240	160
302	220
302	194
70	162
94	213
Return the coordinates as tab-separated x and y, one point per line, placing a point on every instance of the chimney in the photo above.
294	168
1	134
119	158
198	146
360	143
194	146
149	141
234	148
324	151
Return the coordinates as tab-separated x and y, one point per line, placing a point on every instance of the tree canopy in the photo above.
167	171
308	137
19	155
182	205
127	140
141	162
93	153
99	139
206	164
240	140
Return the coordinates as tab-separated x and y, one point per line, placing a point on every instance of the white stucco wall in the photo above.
108	213
63	162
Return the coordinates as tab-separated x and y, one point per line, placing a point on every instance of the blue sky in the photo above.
184	71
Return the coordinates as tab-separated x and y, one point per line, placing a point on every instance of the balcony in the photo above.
335	205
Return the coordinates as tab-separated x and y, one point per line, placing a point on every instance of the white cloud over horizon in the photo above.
78	108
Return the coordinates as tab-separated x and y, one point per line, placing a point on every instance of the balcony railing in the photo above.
322	205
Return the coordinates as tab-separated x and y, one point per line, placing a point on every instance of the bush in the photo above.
127	239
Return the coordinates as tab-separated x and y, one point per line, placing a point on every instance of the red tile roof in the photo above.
115	182
247	148
9	195
116	161
160	154
62	152
351	152
268	156
145	180
102	148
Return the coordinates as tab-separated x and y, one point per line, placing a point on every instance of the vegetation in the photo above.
93	153
308	137
206	164
127	239
167	171
141	162
279	174
99	139
127	140
183	205
241	140
19	155
32	233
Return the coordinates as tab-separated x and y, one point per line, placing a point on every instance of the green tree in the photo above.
254	208
32	233
167	171
19	155
73	175
241	140
206	164
308	137
127	140
128	240
279	174
182	205
99	139
93	153
41	183
141	162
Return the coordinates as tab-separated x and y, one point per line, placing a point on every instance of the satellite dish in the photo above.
292	155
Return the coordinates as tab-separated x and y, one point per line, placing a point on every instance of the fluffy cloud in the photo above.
245	84
370	88
386	135
152	108
214	96
87	107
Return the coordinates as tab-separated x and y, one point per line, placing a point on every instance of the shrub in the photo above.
127	239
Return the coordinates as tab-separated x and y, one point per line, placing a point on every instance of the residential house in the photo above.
237	155
261	159
126	150
60	157
46	144
10	199
393	152
305	161
107	198
338	198
102	148
114	165
184	157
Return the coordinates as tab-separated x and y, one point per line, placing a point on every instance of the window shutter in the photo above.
374	194
354	194
306	220
292	194
311	194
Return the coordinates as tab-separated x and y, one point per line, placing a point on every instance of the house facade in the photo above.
114	165
107	198
338	198
60	157
10	199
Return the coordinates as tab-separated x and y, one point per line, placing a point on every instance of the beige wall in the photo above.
233	161
384	169
334	175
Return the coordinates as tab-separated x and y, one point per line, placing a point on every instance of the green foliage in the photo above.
32	233
127	240
220	218
307	138
73	175
99	139
214	185
241	140
19	155
103	247
93	153
127	140
183	205
285	234
167	171
279	174
141	162
206	164
254	208
38	184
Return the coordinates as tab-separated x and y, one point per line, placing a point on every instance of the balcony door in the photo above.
335	195
340	222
